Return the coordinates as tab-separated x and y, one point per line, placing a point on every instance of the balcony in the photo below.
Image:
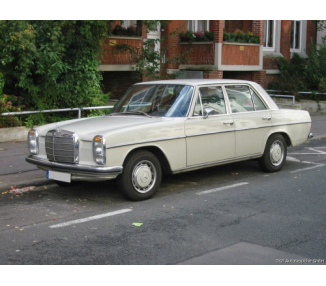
226	56
198	53
115	56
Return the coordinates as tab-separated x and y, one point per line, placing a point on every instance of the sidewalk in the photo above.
16	172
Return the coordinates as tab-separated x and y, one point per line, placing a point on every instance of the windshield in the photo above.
156	100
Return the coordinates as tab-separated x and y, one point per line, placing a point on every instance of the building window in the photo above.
269	34
296	29
198	25
129	23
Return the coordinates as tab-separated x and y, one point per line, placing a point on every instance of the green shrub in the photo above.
52	64
303	73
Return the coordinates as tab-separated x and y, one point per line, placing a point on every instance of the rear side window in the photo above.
243	99
258	104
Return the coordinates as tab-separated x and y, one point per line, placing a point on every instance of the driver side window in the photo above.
211	99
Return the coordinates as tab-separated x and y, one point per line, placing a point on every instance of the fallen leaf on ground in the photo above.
138	224
22	190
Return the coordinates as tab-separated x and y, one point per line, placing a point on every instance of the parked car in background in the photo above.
170	126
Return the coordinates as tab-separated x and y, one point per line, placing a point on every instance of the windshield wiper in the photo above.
131	113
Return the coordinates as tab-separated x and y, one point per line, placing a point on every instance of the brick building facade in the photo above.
209	59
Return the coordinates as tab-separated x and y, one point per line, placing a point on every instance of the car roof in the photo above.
196	82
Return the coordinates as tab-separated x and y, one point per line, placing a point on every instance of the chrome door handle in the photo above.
267	118
225	123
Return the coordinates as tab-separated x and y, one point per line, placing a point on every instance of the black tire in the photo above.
141	176
274	155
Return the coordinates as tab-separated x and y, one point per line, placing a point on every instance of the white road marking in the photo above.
288	158
222	188
309	168
317	152
306	153
90	218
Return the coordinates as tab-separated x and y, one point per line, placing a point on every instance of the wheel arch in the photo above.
165	165
286	138
283	133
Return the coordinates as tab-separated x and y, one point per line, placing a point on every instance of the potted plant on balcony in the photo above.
131	31
200	36
241	37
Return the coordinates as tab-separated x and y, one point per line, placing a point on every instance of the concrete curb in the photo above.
318	137
28	183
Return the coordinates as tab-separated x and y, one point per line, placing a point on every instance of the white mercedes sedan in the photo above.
169	126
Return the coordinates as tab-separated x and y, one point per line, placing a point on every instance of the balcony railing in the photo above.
226	56
115	50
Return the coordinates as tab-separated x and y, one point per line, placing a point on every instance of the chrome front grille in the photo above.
62	146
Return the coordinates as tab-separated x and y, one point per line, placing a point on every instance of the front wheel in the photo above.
141	176
274	155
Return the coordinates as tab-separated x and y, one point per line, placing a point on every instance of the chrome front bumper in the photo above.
78	172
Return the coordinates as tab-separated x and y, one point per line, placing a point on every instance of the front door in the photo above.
210	130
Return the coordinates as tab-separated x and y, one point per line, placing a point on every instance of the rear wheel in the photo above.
274	155
141	176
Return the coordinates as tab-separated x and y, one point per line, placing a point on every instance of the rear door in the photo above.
252	119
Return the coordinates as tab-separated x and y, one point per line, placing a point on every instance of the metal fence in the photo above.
79	109
300	92
284	96
275	93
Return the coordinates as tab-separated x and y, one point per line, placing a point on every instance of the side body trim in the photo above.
145	142
217	163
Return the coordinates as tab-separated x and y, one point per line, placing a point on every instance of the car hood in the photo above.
87	128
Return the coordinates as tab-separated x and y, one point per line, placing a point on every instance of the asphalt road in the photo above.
232	214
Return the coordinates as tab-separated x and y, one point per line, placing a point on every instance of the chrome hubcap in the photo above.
144	176
277	153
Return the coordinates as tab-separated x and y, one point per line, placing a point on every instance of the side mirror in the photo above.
208	111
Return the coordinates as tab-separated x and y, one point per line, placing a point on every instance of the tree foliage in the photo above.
321	25
52	64
148	60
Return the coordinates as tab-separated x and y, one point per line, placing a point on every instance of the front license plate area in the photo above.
59	176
